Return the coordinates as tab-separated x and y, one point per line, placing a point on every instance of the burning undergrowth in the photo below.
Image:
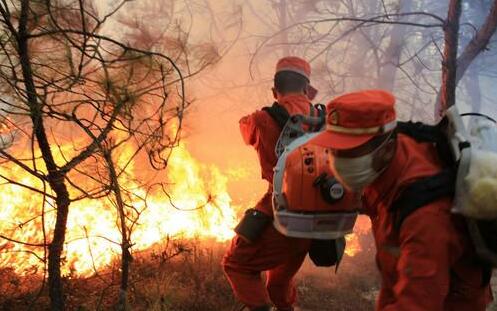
185	274
178	227
194	202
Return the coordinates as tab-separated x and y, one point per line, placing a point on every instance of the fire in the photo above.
198	206
353	247
362	226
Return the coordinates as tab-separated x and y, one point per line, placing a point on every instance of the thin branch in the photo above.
21	242
379	19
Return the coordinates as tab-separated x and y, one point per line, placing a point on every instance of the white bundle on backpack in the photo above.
481	181
476	190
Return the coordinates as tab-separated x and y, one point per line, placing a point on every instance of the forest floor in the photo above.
187	276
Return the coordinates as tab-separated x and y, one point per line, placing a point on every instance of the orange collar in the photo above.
295	103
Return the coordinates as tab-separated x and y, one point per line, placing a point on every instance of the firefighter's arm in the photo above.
248	129
427	244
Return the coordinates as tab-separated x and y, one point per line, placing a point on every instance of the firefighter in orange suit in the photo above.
271	251
428	263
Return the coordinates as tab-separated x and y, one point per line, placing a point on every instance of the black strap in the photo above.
321	109
279	114
435	134
421	132
483	234
422	192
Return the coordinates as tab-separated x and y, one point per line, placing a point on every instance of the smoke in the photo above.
346	55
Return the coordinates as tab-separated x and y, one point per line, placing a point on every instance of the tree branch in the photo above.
478	43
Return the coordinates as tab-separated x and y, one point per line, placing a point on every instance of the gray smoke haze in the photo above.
345	55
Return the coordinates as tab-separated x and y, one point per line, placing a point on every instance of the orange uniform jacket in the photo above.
428	264
261	131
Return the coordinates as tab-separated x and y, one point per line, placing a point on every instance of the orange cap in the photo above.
300	66
295	64
354	118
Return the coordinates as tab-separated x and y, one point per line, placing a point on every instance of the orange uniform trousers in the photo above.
278	255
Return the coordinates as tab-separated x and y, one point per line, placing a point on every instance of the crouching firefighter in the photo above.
280	249
425	253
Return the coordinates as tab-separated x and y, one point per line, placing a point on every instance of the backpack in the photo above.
296	130
482	232
254	222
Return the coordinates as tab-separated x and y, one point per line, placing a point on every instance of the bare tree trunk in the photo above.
449	61
478	43
391	59
471	51
55	177
57	244
125	243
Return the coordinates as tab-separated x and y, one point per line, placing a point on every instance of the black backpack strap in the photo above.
421	132
321	109
279	114
422	192
483	234
435	134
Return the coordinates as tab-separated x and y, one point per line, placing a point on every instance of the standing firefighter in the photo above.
425	256
258	246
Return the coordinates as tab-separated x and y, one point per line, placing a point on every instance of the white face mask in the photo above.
357	173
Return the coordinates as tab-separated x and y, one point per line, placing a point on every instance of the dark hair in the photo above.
290	82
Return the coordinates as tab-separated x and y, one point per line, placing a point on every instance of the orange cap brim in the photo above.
340	141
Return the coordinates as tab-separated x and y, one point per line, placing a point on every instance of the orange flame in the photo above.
362	226
200	207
